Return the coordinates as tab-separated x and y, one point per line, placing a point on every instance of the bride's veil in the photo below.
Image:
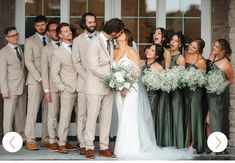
145	121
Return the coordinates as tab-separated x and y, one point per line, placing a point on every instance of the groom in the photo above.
99	97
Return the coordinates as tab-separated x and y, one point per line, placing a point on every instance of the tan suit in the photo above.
48	85
12	72
80	63
64	77
99	97
33	48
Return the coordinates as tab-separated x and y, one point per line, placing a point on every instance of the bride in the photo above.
135	135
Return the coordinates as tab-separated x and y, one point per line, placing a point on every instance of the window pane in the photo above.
52	7
173	8
190	24
129	8
174	24
146	27
97	7
192	8
141	51
77	7
147	8
33	7
131	24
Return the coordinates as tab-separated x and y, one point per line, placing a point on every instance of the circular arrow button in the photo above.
12	142
217	142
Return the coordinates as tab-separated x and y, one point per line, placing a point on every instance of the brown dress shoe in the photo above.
54	147
82	151
90	154
31	146
69	147
63	150
107	153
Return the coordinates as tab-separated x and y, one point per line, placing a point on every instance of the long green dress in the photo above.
153	98
177	106
218	107
170	124
194	117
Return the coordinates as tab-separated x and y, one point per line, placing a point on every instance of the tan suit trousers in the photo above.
98	105
67	103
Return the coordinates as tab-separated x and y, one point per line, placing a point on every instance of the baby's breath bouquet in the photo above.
151	80
121	77
192	78
215	81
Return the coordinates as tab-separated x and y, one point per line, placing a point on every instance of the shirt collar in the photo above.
66	46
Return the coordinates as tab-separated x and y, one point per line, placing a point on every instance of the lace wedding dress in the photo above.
136	135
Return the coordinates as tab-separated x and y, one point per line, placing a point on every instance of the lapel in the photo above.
38	40
104	47
13	53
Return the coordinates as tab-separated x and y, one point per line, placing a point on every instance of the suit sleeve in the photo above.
29	61
93	60
55	70
44	69
77	60
3	71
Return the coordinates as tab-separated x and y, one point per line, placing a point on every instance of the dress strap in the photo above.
218	59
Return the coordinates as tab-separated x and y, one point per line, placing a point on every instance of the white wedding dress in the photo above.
136	136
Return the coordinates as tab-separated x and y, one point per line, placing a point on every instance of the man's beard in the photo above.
90	30
42	33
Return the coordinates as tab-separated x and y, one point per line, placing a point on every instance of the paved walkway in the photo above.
44	154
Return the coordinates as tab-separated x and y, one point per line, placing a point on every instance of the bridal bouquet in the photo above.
192	78
215	81
120	78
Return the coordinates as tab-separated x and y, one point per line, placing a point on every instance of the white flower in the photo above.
119	76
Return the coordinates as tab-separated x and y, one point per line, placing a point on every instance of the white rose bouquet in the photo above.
215	82
121	77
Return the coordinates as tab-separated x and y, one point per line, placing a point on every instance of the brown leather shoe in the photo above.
31	146
90	154
69	147
82	151
54	147
107	153
63	150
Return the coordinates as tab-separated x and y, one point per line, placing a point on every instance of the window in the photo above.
78	8
185	16
140	19
48	8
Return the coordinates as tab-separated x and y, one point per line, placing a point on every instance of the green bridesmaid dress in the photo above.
194	121
218	106
177	107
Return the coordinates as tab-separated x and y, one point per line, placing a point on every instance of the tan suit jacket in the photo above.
80	60
46	68
33	48
99	66
12	71
63	72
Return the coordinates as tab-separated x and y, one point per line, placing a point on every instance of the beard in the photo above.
42	32
89	29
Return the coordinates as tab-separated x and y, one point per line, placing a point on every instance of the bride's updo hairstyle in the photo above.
129	37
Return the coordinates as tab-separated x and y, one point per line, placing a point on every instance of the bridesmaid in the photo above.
193	99
160	37
218	105
154	55
177	106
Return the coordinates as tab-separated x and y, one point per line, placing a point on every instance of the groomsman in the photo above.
51	93
64	77
100	98
12	72
33	48
88	24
